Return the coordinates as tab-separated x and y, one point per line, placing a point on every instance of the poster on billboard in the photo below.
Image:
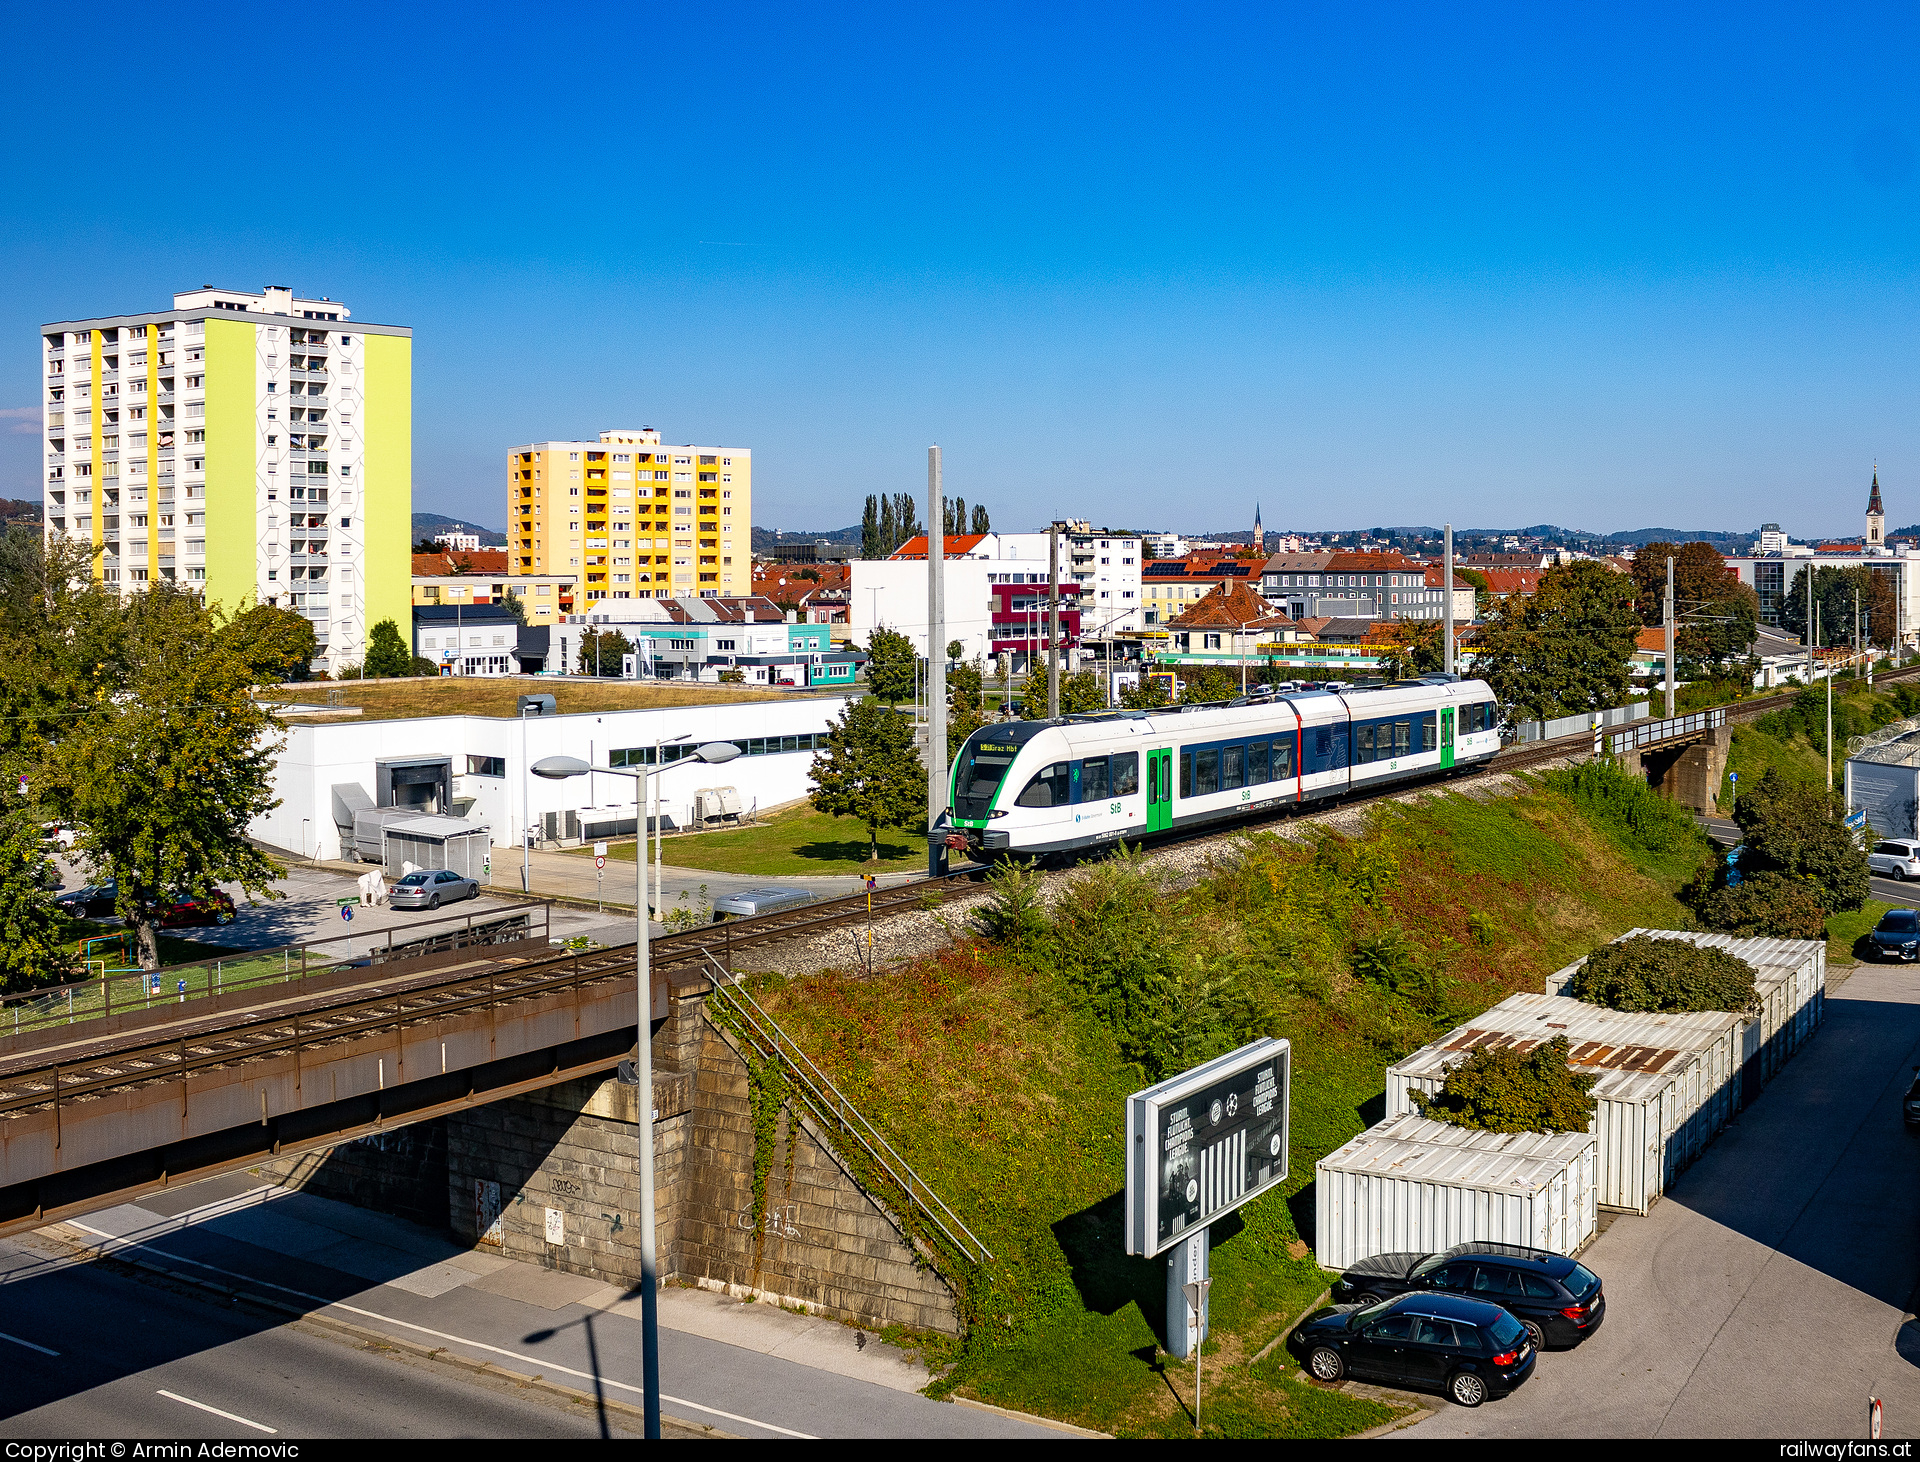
1201	1144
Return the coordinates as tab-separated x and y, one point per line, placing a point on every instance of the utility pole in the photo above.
1668	620
1446	599
936	666
1812	620
1816	633
1053	620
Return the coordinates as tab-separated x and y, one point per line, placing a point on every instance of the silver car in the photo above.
430	888
1897	858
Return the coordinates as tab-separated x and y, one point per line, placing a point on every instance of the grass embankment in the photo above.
794	843
384	700
1000	1068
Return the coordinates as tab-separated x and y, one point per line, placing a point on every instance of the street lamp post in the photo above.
557	768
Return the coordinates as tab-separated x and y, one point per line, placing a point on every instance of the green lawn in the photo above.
1001	1075
798	842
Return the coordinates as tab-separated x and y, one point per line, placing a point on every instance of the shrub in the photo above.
424	666
1796	831
1502	1089
1765	905
1661	975
1617	799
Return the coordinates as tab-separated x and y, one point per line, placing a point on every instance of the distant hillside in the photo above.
425	525
18	510
765	538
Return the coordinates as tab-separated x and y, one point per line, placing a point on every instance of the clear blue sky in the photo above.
1601	266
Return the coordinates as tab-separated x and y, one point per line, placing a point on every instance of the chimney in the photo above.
792	617
746	613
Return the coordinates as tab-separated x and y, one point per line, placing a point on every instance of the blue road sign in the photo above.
346	914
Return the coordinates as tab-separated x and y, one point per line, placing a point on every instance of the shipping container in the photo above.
1410	1185
1667	1083
1790	980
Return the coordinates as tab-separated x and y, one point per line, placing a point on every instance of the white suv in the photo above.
1899	860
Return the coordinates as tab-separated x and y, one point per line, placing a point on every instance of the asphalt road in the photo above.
138	1360
750	1370
1768	1294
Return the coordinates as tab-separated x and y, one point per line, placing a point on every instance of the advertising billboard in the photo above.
1202	1143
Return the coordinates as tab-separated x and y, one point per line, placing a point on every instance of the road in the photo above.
1769	1294
749	1370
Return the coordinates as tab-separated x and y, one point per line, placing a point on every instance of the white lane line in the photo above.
118	1243
28	1343
202	1406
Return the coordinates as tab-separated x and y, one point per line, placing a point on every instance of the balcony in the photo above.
164	397
55	458
106	375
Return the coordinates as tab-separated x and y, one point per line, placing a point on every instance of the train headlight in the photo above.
997	812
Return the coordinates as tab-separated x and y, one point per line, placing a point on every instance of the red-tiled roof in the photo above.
958	546
1230	606
444	565
1511	581
1369	563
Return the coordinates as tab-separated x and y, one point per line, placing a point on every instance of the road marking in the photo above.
115	1242
28	1343
202	1406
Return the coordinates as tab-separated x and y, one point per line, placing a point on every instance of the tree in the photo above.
1499	1089
871	771
1716	613
889	527
427	545
1663	976
279	644
1565	650
601	651
424	667
966	704
32	945
516	606
1411	647
1078	695
905	519
1834	591
62	642
870	532
387	654
1210	683
891	665
955	649
1145	694
162	780
1763	906
980	520
1797	831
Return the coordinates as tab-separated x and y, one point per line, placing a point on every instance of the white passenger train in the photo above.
1043	787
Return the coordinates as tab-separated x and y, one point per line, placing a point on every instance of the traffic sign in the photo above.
599	850
599	860
346	914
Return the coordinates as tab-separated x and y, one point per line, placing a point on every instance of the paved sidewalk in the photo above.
749	1369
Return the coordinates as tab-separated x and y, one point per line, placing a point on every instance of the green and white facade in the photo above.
259	446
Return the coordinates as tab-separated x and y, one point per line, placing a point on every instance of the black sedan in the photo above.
1896	936
90	902
1467	1349
1910	1105
1561	1302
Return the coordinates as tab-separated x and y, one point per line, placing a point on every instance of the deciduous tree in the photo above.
32	944
871	771
600	651
891	665
1566	649
1411	647
1797	831
387	653
1836	591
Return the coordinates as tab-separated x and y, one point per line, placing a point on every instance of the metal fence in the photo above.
119	991
1586	721
1670	728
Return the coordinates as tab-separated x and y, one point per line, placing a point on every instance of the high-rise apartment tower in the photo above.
257	446
635	519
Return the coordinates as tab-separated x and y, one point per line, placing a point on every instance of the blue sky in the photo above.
1605	266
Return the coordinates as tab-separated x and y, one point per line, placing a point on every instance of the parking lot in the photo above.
1768	1294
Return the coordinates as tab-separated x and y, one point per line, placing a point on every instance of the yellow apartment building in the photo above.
632	517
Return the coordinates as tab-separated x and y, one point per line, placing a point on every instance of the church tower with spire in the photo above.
1259	534
1876	517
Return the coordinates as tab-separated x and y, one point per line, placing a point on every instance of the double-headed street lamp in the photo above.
558	768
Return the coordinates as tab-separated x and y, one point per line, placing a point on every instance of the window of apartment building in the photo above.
485	766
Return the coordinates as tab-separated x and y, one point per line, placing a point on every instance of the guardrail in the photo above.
122	990
832	1109
1651	733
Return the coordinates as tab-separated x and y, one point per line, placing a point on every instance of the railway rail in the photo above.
87	1066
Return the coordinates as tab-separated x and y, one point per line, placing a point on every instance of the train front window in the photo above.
1050	787
981	773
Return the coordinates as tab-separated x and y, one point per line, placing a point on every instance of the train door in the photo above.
1159	791
1446	736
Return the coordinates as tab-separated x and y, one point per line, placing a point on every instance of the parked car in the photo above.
430	888
752	901
1468	1349
1560	1301
1896	936
90	901
215	908
1910	1107
61	837
1897	858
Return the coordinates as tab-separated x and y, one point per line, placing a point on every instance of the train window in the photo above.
980	778
1233	768
1283	759
1126	774
1402	737
1427	733
1256	763
1363	743
1206	771
1093	779
1050	787
1186	774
